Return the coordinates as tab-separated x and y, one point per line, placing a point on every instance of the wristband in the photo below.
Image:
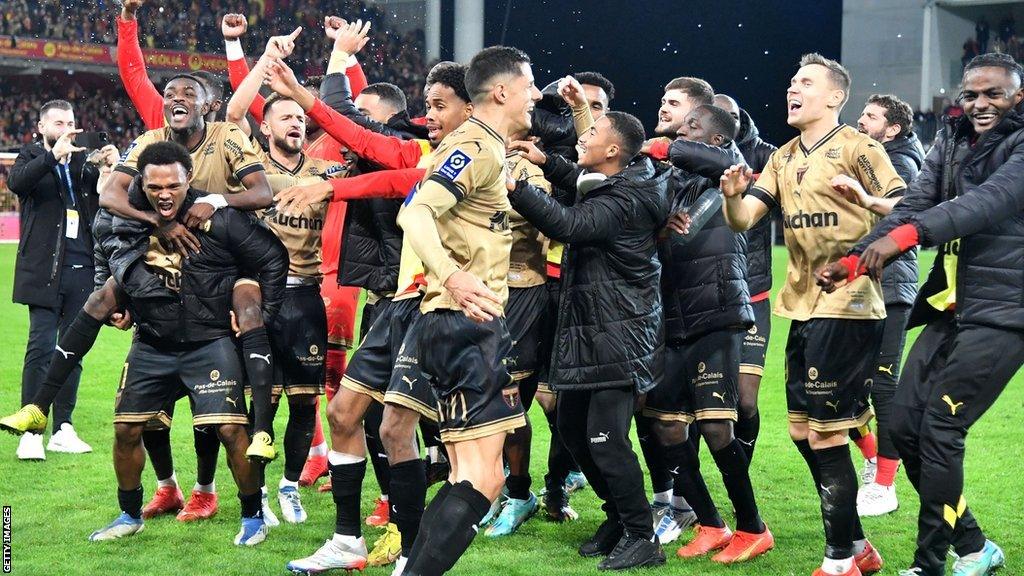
852	263
233	49
905	236
339	61
218	201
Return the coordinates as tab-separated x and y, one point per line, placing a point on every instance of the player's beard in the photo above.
283	145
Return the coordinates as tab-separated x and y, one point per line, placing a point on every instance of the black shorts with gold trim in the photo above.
298	339
408	387
524	315
829	366
755	340
369	370
701	379
465	363
155	374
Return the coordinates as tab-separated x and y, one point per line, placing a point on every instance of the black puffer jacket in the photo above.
899	282
371	241
610	332
982	204
200	309
756	152
553	124
704	280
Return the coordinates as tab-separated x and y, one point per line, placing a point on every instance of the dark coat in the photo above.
982	204
41	194
609	328
899	282
756	152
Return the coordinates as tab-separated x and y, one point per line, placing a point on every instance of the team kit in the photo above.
521	245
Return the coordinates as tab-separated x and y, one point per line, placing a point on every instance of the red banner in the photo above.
32	49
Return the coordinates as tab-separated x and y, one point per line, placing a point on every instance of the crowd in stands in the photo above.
1005	40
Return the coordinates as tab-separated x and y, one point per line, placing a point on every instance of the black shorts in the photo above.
370	367
546	334
408	387
829	366
755	341
701	380
465	363
211	374
524	315
298	339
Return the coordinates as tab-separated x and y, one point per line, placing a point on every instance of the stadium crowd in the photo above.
518	244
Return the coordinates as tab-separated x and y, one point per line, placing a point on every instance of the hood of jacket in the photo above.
908	146
748	133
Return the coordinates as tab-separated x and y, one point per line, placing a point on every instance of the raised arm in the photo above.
387	184
131	65
598	220
743	210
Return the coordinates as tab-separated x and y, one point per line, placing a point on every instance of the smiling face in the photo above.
520	96
165	186
675	106
184	104
811	96
694	129
988	93
445	111
597	145
285	126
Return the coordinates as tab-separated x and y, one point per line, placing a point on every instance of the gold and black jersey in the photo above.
529	247
164	263
470	163
301	233
412	278
219	162
819	225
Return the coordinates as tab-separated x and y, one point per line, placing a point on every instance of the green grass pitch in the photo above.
57	503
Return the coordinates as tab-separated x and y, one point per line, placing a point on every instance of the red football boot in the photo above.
869	561
166	500
200	506
380	515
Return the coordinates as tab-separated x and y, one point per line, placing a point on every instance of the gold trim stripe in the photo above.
399	399
362	389
451	435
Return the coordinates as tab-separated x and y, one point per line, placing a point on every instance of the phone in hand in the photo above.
92	140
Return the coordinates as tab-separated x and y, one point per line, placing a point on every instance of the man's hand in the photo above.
233	26
234	325
332	24
572	92
735	180
198	214
129	8
478	302
64	147
281	47
109	156
281	79
877	254
295	199
121	320
352	37
852	191
679	222
528	149
646	147
178	238
831	276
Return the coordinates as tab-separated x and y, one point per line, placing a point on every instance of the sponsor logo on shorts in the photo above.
753	330
231	401
833	404
409	381
701	367
812	373
601	438
953	406
214	375
886	369
511	397
719	395
314	349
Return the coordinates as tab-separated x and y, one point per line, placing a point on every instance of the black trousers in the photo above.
953	374
887	374
595	428
46	324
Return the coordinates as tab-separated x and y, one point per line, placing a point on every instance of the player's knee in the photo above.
231	435
821	440
798	431
717	433
747	406
126	435
301	400
339	419
669	433
546	401
249	317
396	433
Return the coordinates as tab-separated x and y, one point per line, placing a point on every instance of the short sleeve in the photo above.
464	168
129	163
875	171
766	188
240	154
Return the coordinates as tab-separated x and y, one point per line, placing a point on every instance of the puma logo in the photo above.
886	369
601	438
231	401
394	509
833	405
476	529
825	490
952	407
674	471
409	381
64	352
264	357
719	396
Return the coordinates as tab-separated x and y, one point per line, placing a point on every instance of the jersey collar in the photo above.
821	142
489	130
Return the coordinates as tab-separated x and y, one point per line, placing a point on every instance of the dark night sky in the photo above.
643	44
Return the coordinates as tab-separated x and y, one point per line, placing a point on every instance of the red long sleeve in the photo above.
132	67
906	236
237	71
390	184
389	152
356	79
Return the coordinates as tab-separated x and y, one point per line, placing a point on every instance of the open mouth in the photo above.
984	118
664	119
433	130
295	133
795	105
179	113
165	208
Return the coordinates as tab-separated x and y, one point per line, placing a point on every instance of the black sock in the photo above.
346	487
297	437
158	445
735	468
457	524
259	369
409	480
130	502
518	486
431	434
653	453
207	448
375	446
251	504
427	521
75	342
746	430
811	458
684	465
838	500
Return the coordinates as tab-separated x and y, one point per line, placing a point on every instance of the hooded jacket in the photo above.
609	327
979	201
756	152
899	282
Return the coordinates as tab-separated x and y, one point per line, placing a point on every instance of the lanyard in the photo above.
65	174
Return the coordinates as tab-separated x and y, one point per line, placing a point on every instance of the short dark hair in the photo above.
696	89
597	79
213	83
194	78
631	134
452	75
55	105
491	62
721	122
272	100
997	60
837	73
389	94
164	153
897	112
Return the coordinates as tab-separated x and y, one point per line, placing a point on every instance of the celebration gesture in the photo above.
64	147
571	91
233	26
735	180
351	37
528	149
280	47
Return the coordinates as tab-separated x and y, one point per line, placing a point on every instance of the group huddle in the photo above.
519	244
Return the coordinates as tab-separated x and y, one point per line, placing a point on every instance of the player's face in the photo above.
184	104
694	128
598	99
597	145
809	95
873	123
54	124
988	93
675	105
445	111
521	94
729	105
373	108
165	186
285	126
